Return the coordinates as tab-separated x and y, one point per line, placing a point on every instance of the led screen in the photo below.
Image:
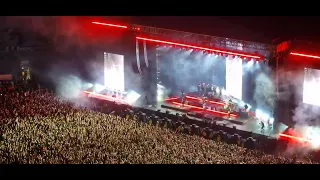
114	71
311	87
234	77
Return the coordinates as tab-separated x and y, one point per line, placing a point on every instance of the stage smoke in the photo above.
305	117
183	70
264	93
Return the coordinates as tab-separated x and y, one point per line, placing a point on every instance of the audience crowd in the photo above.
39	127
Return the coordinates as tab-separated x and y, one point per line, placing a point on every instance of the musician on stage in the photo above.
214	91
208	89
203	87
199	89
230	108
182	97
204	103
220	92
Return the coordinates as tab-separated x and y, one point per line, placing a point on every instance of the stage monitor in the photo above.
311	87
114	71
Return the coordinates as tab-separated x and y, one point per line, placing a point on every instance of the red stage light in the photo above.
305	55
195	98
169	99
112	25
186	105
200	108
212	102
200	48
295	138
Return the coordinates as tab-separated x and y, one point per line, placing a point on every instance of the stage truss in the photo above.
203	40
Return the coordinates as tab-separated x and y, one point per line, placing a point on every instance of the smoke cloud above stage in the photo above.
248	80
185	69
70	51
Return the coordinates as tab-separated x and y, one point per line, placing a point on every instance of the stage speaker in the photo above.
199	115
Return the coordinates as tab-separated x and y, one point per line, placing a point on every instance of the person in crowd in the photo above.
39	127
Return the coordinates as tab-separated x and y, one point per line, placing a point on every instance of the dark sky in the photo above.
251	28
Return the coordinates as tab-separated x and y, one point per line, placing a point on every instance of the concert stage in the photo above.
252	126
159	63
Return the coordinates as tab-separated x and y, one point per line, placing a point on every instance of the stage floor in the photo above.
249	126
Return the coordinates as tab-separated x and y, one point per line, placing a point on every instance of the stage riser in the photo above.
198	115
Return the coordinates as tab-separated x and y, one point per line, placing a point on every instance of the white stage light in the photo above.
249	64
264	117
132	97
98	88
87	85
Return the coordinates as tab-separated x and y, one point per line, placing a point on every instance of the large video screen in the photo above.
234	77
311	87
114	71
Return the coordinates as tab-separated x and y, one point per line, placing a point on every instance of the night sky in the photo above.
251	28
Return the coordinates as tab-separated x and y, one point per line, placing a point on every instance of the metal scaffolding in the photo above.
199	39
